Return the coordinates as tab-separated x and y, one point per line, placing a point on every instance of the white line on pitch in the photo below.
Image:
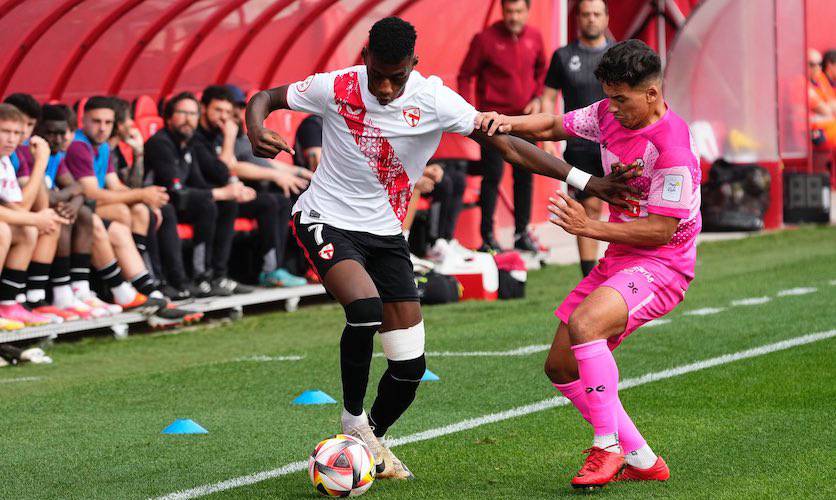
656	322
832	282
512	413
804	290
753	301
264	359
705	311
20	379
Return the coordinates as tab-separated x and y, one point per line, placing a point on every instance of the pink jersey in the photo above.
669	184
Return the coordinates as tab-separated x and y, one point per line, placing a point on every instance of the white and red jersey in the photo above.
9	188
372	155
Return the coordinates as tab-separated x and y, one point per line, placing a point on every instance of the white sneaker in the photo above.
420	265
465	252
439	250
388	466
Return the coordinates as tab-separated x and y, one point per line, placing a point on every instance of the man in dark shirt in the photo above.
509	64
171	163
572	72
214	145
308	148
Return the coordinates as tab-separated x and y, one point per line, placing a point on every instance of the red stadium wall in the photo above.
821	14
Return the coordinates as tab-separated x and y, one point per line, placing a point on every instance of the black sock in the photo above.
144	283
395	392
59	273
80	267
38	277
356	346
587	266
12	283
141	242
111	274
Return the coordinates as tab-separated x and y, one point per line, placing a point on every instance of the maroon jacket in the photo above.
509	70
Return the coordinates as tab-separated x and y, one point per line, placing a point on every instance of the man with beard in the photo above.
572	72
171	161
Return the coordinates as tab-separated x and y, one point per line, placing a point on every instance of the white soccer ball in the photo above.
341	466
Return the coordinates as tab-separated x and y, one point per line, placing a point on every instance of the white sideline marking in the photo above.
521	351
20	379
804	290
754	301
263	359
656	322
512	413
705	311
832	282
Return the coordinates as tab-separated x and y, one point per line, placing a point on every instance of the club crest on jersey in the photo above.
412	115
304	84
327	252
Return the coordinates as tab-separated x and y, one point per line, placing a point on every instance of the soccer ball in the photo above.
341	466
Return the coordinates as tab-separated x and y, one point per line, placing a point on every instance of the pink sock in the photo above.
599	378
629	436
573	391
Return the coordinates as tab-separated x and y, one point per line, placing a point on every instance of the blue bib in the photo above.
52	168
101	158
15	160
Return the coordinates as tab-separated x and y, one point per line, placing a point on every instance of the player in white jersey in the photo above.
382	121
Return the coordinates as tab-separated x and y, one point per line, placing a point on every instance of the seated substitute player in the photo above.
649	263
382	122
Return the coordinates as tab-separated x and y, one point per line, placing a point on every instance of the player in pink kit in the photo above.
650	260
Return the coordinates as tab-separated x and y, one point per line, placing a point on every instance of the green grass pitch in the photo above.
89	425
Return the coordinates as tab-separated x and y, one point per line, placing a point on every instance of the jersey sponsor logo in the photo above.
379	153
672	190
327	252
412	115
304	84
575	63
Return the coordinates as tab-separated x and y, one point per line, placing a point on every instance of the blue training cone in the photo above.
429	376
314	397
185	426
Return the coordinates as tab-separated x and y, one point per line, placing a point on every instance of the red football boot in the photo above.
600	468
659	472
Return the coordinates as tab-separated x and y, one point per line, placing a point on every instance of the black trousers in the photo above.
199	209
492	166
272	212
169	248
449	194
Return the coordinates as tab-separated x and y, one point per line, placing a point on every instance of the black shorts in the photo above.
385	258
586	159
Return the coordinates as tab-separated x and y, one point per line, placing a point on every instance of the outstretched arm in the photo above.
266	143
540	127
613	188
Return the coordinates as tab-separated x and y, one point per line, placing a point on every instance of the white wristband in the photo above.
577	178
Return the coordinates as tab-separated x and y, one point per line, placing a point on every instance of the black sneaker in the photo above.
174	293
227	287
203	288
490	245
166	317
524	243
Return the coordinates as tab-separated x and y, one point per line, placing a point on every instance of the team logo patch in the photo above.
304	84
327	252
412	115
672	190
574	63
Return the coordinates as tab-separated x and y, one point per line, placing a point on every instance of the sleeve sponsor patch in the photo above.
672	190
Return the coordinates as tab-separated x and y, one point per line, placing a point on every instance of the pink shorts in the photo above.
649	287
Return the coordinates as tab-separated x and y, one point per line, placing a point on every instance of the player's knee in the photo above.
582	327
5	235
140	214
558	372
84	217
365	313
404	344
99	230
410	370
28	236
119	234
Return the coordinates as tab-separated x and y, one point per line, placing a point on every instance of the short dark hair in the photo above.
829	57
527	2
26	104
392	40
9	113
630	62
168	109
606	6
216	93
54	113
121	108
99	102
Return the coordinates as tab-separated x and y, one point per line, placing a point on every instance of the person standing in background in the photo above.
509	64
572	72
